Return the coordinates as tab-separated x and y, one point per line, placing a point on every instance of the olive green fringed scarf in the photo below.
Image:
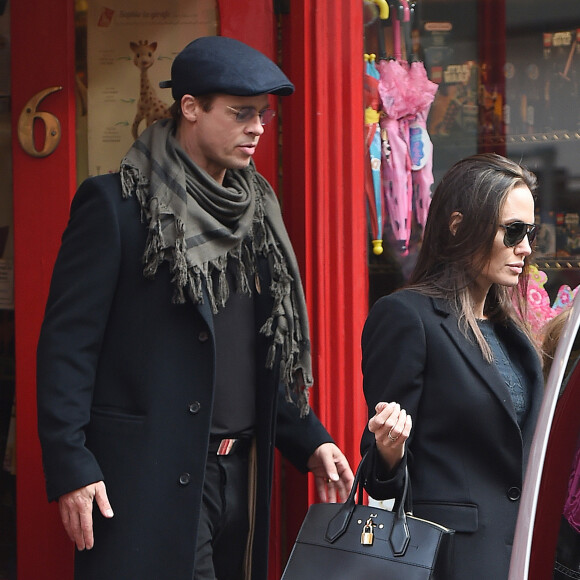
198	226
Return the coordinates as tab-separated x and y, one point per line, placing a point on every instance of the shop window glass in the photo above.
513	91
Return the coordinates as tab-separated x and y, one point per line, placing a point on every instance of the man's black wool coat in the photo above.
125	387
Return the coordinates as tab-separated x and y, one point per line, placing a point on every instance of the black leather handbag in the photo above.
352	540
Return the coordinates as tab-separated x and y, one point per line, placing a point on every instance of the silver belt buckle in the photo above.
226	446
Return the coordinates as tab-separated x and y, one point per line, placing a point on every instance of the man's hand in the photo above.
76	512
332	473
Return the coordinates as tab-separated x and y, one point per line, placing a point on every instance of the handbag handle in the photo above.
399	536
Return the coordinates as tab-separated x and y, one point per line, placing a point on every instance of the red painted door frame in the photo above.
325	212
323	206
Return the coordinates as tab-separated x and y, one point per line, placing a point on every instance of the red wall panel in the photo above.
42	57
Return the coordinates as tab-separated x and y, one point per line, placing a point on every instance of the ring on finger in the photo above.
390	436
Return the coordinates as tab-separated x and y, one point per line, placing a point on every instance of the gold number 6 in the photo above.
26	120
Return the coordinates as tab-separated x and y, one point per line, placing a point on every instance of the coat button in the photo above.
194	407
203	336
514	493
184	479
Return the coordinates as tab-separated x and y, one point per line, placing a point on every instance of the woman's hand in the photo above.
391	426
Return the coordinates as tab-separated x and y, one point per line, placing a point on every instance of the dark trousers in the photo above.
567	563
224	520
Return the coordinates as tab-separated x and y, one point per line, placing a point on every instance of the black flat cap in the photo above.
218	64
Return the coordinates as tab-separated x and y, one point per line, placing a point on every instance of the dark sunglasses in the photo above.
517	231
246	114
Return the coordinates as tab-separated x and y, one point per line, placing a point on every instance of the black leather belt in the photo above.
229	446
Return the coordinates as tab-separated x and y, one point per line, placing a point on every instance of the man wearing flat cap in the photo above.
174	353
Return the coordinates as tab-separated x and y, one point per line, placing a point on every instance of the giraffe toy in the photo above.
149	107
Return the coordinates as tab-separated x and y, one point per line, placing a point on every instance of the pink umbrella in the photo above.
396	170
421	97
406	95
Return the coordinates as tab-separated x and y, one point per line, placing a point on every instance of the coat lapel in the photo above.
472	354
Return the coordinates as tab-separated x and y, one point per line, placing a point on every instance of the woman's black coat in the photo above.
125	394
466	454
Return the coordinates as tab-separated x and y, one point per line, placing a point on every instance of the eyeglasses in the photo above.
247	114
517	231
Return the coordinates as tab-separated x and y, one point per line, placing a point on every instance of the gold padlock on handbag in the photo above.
367	537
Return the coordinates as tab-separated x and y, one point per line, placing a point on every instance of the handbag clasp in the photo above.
367	537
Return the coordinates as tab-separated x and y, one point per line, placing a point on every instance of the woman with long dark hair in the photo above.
452	352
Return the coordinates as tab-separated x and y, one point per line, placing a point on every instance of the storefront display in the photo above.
514	92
